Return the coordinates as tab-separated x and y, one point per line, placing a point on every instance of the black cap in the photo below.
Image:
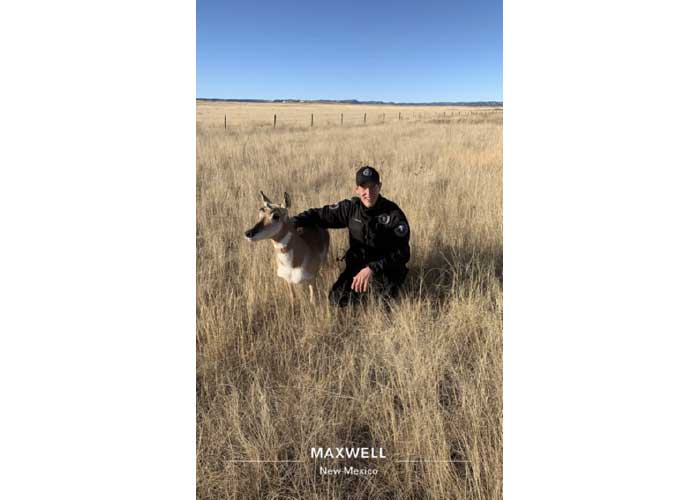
366	174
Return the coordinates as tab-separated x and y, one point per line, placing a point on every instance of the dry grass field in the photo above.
422	380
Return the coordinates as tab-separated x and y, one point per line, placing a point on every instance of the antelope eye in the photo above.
275	217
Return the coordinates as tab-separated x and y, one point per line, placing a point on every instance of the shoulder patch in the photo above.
401	229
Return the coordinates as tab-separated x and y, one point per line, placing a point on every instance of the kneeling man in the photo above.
378	234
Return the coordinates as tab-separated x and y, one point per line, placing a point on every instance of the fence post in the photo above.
312	119
274	122
399	115
341	118
364	120
224	122
383	117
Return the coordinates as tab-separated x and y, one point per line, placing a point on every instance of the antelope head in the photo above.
271	218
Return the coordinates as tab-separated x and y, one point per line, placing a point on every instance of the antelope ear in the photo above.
265	198
287	200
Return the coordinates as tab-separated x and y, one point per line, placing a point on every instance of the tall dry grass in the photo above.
423	381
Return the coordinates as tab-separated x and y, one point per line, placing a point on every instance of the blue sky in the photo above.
403	51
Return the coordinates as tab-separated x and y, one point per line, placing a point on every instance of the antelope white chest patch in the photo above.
289	273
285	259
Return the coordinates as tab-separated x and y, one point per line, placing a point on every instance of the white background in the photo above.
97	203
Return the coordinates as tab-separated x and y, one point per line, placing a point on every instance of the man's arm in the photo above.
329	217
400	253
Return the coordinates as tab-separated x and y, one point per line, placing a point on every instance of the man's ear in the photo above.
287	200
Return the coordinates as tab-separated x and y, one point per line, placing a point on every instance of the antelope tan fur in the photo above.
299	253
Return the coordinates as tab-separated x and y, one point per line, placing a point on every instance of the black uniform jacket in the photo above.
378	236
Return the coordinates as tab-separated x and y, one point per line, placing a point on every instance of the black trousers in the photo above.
386	284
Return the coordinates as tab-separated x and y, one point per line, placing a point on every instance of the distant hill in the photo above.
355	101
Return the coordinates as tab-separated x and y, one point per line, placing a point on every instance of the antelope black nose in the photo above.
249	233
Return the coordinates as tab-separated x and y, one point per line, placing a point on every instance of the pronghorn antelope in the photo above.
299	254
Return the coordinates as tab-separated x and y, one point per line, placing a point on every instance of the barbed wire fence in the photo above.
359	119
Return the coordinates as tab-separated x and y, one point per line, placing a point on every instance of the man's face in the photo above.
368	193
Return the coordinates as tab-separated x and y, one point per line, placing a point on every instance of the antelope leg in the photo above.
311	294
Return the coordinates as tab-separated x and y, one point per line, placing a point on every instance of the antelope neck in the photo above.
282	239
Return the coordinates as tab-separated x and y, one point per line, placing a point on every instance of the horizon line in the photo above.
352	101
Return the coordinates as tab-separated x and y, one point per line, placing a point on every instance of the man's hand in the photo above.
361	280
